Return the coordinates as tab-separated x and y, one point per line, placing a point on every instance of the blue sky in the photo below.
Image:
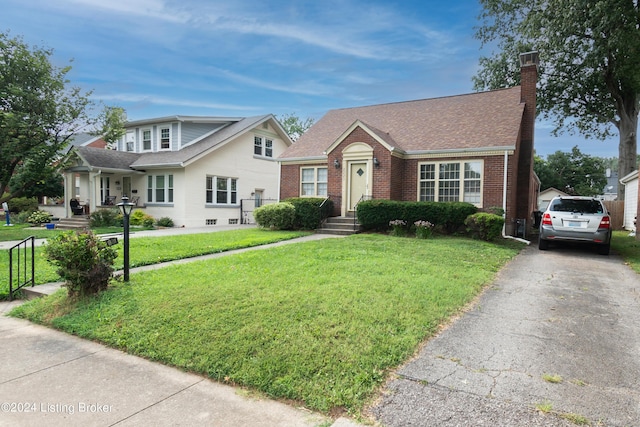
251	57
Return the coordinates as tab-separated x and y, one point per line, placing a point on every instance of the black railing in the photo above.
21	258
355	209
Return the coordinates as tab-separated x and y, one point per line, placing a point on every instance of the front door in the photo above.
126	187
357	183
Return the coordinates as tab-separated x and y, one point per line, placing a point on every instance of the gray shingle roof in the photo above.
107	159
481	120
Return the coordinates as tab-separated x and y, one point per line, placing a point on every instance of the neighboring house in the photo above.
545	197
631	202
476	148
610	191
194	170
84	139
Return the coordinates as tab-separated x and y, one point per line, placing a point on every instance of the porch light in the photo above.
126	208
376	163
336	163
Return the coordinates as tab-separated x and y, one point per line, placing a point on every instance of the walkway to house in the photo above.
56	379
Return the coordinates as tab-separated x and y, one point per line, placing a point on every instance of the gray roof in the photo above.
97	158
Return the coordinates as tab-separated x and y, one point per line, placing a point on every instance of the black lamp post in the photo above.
126	208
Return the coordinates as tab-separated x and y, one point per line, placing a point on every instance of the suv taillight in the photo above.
546	219
605	223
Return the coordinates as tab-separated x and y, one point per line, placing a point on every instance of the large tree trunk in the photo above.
628	147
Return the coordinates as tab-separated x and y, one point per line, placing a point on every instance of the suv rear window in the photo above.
572	205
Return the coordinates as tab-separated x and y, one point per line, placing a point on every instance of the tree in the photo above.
111	122
590	51
295	126
574	173
39	113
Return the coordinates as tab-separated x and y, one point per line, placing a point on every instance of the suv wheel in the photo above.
604	249
543	245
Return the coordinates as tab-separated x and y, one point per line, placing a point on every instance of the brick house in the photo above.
476	148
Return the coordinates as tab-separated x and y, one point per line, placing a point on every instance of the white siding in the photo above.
630	203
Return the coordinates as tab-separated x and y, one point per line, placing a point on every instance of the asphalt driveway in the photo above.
566	315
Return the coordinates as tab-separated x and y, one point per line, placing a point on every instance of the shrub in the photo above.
105	218
83	260
148	221
310	212
39	217
278	216
424	229
23	204
398	227
485	226
137	217
448	216
165	221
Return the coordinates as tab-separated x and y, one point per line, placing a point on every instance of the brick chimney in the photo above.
527	195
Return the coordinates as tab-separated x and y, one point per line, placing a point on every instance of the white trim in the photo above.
159	129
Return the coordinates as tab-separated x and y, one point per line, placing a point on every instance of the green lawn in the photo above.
153	250
320	322
628	247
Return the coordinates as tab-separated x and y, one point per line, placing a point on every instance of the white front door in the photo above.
357	183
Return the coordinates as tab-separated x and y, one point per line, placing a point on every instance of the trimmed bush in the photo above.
39	217
138	217
309	213
84	261
446	216
23	204
485	226
105	218
165	221
277	216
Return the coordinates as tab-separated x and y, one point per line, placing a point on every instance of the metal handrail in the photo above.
355	208
26	282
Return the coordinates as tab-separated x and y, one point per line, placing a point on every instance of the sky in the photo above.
242	58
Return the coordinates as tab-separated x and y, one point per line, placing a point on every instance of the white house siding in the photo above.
233	160
631	199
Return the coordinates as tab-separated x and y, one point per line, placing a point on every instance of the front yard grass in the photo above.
628	247
154	250
320	322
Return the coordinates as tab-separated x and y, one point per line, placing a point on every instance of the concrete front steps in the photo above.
339	225
77	222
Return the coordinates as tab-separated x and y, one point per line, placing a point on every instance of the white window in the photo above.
451	182
130	141
262	146
160	188
257	146
146	139
165	138
222	190
313	181
268	148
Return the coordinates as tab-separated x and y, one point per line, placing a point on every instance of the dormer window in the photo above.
146	139
165	138
130	141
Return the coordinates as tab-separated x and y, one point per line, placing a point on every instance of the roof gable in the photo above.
484	120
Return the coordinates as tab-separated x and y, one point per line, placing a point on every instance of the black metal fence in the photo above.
21	266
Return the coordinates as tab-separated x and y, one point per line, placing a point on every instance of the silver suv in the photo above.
576	219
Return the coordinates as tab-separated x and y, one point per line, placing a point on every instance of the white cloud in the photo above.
158	100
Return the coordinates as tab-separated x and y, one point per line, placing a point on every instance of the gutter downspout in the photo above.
504	202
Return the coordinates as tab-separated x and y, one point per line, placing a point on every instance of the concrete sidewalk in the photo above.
55	379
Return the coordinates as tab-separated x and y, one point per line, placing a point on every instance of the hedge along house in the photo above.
194	170
475	148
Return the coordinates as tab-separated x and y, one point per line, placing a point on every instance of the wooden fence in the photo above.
616	211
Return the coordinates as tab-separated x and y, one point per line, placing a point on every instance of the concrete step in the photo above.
337	225
78	222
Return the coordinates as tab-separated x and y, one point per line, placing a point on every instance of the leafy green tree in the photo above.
294	125
590	55
574	173
39	113
111	122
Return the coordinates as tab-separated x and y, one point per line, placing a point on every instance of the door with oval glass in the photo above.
358	184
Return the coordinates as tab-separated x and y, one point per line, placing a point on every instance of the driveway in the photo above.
567	315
